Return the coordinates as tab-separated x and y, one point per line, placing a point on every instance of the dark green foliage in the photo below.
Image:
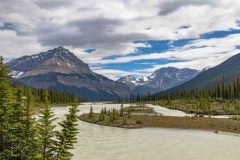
54	97
101	115
91	114
67	136
105	110
46	130
221	91
129	113
24	138
6	112
121	111
113	115
29	139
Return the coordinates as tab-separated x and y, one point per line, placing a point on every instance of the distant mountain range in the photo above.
60	69
228	70
162	79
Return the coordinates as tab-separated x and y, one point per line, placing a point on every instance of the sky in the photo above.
123	37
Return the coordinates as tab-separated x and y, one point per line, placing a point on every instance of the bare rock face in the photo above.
161	79
60	69
209	77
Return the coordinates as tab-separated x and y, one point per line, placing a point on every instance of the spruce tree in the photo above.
17	123
121	111
105	110
91	114
66	138
129	112
6	111
30	141
46	130
101	116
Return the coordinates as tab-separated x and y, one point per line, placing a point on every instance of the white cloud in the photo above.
12	45
111	27
112	73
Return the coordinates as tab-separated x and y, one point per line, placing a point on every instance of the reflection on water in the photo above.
107	143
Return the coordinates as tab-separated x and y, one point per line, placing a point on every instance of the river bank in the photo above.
104	143
212	124
142	116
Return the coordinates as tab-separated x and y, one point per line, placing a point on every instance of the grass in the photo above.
122	122
139	109
191	106
215	124
148	118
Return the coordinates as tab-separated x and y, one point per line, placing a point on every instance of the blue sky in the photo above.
118	38
162	46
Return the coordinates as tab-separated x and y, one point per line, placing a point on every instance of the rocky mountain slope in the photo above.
229	69
161	79
60	69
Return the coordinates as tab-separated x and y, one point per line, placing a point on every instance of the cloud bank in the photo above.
117	31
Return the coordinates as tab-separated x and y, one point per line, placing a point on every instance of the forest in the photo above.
222	98
24	136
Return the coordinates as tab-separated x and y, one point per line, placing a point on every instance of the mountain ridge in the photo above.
60	69
161	79
227	70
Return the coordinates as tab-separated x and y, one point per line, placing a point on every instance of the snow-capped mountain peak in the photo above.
58	60
60	69
161	79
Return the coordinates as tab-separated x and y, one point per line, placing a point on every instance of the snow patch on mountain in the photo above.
16	74
159	80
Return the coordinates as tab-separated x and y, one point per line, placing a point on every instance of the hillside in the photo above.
60	69
228	70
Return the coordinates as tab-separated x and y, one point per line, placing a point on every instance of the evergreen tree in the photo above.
46	131
129	112
105	110
17	123
30	141
91	114
121	111
111	116
6	111
21	138
101	116
66	138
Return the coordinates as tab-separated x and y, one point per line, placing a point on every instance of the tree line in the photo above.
222	91
23	137
54	96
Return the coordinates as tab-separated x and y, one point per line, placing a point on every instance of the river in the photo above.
97	142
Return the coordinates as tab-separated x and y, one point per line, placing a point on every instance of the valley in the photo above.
138	116
120	80
148	143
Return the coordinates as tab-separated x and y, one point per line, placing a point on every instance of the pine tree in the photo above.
101	116
6	111
46	130
91	114
17	123
129	112
105	110
236	107
111	116
117	114
30	141
66	138
121	111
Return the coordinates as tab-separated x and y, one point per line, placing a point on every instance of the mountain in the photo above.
229	69
60	69
161	79
132	82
